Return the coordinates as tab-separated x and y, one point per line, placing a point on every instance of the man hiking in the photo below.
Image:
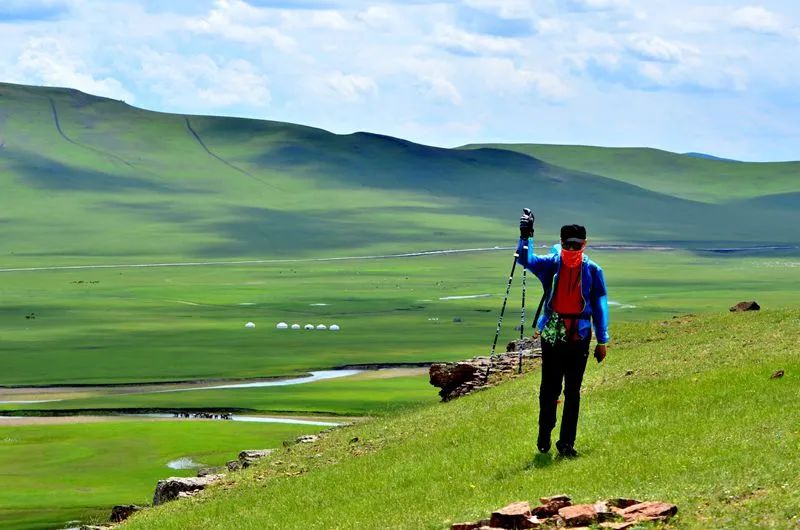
575	296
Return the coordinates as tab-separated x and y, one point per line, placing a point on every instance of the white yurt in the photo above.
282	325
334	327
250	325
295	326
308	327
322	327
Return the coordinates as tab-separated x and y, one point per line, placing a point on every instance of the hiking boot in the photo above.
543	442
566	450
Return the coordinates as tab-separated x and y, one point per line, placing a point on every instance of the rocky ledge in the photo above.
559	512
464	377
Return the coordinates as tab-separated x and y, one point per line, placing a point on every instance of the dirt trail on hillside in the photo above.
212	154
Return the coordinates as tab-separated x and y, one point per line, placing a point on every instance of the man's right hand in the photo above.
526	224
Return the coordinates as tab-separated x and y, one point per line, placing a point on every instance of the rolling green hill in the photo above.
88	179
691	176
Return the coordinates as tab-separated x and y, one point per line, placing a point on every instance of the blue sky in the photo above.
717	76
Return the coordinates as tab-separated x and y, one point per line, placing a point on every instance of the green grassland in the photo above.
370	393
173	324
92	180
88	180
55	473
679	175
684	411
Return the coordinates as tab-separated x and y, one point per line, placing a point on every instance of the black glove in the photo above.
526	224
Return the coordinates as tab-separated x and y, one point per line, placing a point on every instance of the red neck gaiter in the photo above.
571	258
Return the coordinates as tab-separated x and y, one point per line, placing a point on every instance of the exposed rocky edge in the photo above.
122	511
559	512
179	487
247	458
464	377
746	306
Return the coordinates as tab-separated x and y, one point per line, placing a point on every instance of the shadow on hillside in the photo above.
263	231
44	173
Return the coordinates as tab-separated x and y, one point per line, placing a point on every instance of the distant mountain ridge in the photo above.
710	157
87	178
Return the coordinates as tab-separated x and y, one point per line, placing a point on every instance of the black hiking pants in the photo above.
565	363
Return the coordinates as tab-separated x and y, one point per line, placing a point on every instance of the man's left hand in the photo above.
600	352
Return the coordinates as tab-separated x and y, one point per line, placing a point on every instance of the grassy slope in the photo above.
680	175
55	473
124	184
699	423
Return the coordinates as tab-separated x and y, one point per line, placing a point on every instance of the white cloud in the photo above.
350	87
503	76
459	41
441	89
199	78
654	48
48	61
505	8
597	5
665	76
757	19
236	20
550	26
326	19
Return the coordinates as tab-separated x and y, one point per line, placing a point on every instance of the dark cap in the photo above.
574	232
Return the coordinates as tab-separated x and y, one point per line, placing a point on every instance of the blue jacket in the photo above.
593	289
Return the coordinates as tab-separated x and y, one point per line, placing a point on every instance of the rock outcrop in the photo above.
178	487
746	306
559	512
464	377
122	511
249	456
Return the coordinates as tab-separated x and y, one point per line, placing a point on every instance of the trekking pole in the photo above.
502	311
522	320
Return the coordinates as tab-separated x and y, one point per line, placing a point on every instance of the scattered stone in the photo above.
629	372
622	503
234	465
307	439
777	374
515	515
612	514
551	505
255	454
578	515
96	526
649	511
205	471
556	498
606	513
746	306
170	488
122	511
251	456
